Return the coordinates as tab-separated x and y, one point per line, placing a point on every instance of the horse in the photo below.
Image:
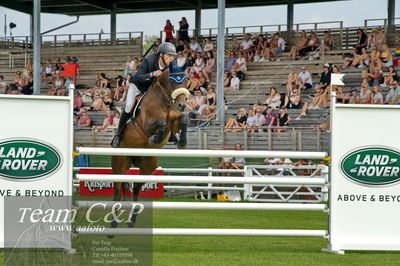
159	118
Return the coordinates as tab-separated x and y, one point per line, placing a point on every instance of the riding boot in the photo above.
122	122
183	138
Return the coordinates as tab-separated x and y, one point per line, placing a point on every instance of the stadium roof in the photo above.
101	7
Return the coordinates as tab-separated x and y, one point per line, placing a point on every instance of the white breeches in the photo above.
133	91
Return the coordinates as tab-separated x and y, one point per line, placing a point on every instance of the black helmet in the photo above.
167	48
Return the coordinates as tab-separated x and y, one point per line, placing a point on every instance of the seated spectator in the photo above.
291	81
301	43
181	46
327	42
362	59
271	120
325	79
304	80
375	60
108	123
19	83
274	98
311	45
234	125
386	56
233	46
125	86
209	110
283	120
208	46
104	83
273	161
198	64
226	162
260	120
280	46
393	96
349	58
251	121
28	88
227	79
361	40
91	91
266	51
238	162
390	76
340	96
252	52
57	86
364	96
320	99
376	38
119	89
293	101
108	101
195	81
352	96
377	97
78	102
116	119
27	69
200	102
260	48
240	64
98	103
375	78
246	47
84	120
234	83
3	85
195	46
46	72
181	60
210	66
231	61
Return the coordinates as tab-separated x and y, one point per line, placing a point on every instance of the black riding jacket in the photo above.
142	78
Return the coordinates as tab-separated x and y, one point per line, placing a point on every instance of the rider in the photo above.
150	68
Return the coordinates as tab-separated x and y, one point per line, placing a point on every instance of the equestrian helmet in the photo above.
167	48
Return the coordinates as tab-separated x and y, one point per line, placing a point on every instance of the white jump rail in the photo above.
200	153
203	179
204	232
208	206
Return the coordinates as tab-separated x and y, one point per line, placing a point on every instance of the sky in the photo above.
352	13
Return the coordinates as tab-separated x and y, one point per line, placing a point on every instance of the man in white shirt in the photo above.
251	121
247	45
304	79
195	46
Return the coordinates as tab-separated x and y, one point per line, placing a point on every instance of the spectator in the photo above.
104	83
293	101
76	67
210	66
116	119
280	47
304	80
312	45
319	100
28	88
195	46
233	46
390	76
291	81
386	56
98	103
183	30
125	86
28	68
169	31
300	44
374	59
119	89
195	81
271	119
209	46
377	97
251	121
225	161
246	46
361	41
260	120
227	79
325	79
19	83
47	71
198	64
251	52
231	61
108	100
283	120
340	96
181	46
78	102
260	48
238	162
84	119
181	60
240	64
108	123
327	42
365	95
129	66
200	102
361	60
376	38
352	96
82	160
274	98
394	93
234	83
234	125
3	85
375	78
349	59
57	85
209	110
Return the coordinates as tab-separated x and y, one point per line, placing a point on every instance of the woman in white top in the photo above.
234	83
58	84
274	99
129	66
291	81
365	95
209	46
198	64
377	97
240	64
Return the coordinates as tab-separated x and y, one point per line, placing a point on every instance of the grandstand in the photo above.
98	54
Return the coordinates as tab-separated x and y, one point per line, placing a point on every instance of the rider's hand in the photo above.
157	73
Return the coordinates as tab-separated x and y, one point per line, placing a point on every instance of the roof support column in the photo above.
113	23
290	15
391	12
198	18
220	62
36	47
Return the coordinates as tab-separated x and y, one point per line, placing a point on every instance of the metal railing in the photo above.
378	22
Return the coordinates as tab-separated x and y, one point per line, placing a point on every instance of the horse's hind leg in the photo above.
120	164
147	165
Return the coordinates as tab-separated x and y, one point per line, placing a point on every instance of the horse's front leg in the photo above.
159	126
183	124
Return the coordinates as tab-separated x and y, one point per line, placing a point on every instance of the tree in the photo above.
148	42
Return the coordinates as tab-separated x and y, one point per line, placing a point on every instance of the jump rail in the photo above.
200	153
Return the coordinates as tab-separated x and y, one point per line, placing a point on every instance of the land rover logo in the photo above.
25	159
372	166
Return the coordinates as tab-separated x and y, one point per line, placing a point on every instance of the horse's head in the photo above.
175	81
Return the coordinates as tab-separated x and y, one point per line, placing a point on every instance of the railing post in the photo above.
69	40
161	35
222	137
244	31
261	29
93	137
246	139
26	42
99	39
12	42
209	33
315	27
299	141
205	140
141	44
84	39
269	139
209	184
55	41
365	24
297	29
294	142
341	35
226	35
318	139
200	139
347	38
279	29
130	38
247	187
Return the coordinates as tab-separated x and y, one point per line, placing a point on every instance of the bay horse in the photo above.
159	116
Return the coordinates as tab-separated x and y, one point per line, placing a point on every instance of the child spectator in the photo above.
304	79
3	85
169	30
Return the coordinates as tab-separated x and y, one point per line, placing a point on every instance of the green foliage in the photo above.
148	41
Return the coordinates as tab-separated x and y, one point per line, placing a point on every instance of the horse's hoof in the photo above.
130	224
114	224
110	236
182	144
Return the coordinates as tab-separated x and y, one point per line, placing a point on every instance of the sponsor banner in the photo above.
95	188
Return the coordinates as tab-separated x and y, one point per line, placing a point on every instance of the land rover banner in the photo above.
35	150
365	178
